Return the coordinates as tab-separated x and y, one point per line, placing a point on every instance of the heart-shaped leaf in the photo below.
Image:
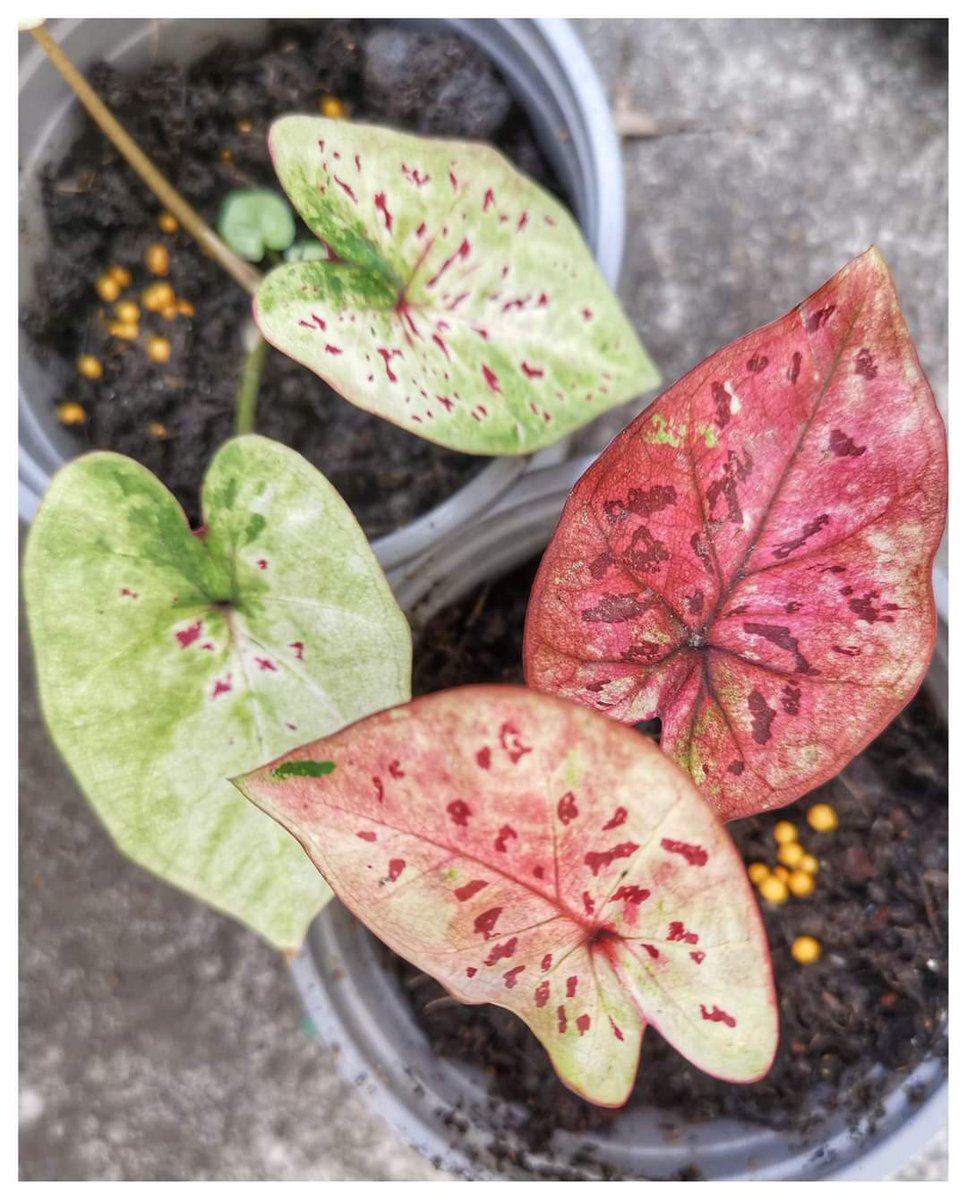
169	661
253	220
751	558
529	853
461	303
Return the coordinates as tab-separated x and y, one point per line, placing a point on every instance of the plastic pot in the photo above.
358	1007
544	65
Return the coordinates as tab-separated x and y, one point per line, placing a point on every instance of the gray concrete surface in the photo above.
160	1041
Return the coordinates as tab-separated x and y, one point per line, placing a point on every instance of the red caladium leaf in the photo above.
460	300
532	854
751	558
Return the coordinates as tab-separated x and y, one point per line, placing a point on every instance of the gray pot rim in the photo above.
547	68
358	1011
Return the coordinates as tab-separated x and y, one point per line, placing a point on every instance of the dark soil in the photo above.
878	996
100	213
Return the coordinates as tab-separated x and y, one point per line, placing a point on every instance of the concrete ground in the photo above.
160	1041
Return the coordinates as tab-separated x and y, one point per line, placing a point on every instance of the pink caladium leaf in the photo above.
529	853
751	558
459	300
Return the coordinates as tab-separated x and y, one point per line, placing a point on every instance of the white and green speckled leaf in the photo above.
460	300
168	661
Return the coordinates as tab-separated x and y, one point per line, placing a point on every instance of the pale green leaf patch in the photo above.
460	300
169	661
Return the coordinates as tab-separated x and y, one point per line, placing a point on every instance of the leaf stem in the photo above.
246	398
242	272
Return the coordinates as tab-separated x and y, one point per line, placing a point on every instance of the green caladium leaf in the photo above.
460	300
253	220
169	661
530	853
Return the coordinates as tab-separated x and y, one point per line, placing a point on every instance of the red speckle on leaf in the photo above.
583	1023
378	785
549	220
421	229
588	903
616	1030
331	349
459	254
189	636
506	831
127	592
572	986
488	201
757	364
546	962
471	971
567	809
396	770
512	743
794	367
542	993
678	933
208	646
532	372
736	766
481	332
865	364
484	923
587	314
500	951
695	856
492	381
843	446
442	344
299	648
346	188
538	872
459	810
510	977
483	757
522	223
468	890
222	686
819	318
266	664
387	356
653	951
414	176
762	717
263	564
383	207
717	1014
631	893
289	725
454	182
561	1019
619	818
596	859
366	835
698	956
396	868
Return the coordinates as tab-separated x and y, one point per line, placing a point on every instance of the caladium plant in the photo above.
169	660
459	299
529	853
751	558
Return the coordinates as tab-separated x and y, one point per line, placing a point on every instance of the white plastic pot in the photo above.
358	1007
544	65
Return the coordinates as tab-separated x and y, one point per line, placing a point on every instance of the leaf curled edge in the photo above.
529	853
751	558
